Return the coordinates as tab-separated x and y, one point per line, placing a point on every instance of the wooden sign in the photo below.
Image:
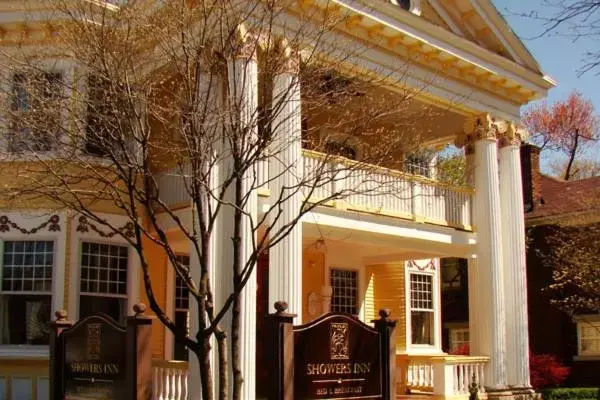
334	357
337	357
95	359
98	359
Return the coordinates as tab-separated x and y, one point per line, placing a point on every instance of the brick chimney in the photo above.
530	169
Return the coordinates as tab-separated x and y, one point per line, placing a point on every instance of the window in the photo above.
344	298
35	111
459	339
340	149
421	309
106	109
405	4
589	338
103	282
26	292
182	305
418	163
452	272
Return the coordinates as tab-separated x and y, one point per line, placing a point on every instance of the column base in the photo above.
512	393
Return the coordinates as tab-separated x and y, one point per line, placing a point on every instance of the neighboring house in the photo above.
548	202
356	256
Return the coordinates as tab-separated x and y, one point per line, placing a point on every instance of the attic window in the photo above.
405	4
413	6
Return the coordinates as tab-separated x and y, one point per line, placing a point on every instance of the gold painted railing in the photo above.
369	188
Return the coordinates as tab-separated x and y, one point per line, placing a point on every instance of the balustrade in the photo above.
170	380
362	187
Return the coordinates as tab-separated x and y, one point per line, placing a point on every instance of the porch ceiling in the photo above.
382	239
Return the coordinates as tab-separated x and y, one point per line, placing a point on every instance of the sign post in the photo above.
334	357
97	358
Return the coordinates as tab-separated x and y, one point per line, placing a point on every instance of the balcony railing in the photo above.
444	376
368	188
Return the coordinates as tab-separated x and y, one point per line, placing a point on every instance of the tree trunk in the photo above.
572	156
238	380
223	366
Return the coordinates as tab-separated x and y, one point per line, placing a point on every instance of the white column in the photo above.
487	279
243	88
515	274
285	170
210	85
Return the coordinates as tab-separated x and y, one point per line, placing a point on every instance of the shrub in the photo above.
571	394
546	371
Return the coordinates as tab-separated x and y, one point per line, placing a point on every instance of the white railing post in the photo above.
443	384
416	199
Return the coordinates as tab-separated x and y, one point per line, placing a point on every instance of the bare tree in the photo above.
170	91
575	19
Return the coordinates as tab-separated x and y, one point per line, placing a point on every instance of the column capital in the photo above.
514	136
290	58
244	45
484	126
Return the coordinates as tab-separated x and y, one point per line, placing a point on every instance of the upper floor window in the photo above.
103	281
182	305
588	333
405	4
421	309
35	111
340	149
344	297
26	291
107	112
418	164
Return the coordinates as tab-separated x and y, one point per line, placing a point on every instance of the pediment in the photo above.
479	22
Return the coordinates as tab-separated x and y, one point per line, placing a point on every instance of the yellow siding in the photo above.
33	369
313	278
370	311
158	273
387	282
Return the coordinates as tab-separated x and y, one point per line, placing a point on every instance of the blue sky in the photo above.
559	57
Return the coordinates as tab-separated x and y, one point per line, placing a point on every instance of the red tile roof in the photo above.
564	197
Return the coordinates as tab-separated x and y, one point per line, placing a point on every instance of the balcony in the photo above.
371	189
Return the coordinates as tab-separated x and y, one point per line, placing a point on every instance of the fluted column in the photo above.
513	246
243	91
210	84
487	278
285	170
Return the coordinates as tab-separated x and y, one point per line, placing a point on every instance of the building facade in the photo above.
356	256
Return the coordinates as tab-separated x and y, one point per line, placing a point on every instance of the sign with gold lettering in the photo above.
337	357
95	352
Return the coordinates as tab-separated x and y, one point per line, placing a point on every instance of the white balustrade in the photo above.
446	376
170	380
362	187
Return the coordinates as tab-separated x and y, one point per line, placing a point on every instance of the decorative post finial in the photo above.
281	306
61	315
139	308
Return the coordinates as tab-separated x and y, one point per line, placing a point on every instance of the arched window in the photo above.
413	6
403	3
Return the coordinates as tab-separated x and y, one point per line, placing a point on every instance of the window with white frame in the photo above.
182	306
589	338
459	339
103	280
26	291
35	111
421	309
344	284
